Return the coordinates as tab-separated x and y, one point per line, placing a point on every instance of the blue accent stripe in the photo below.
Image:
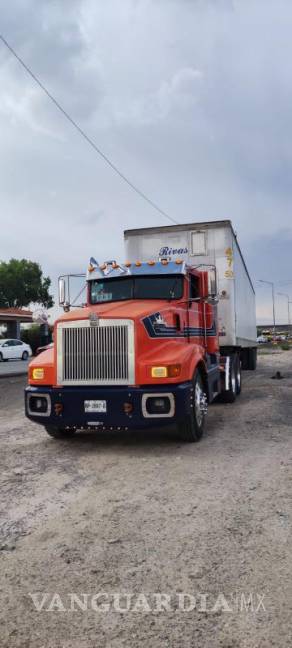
158	330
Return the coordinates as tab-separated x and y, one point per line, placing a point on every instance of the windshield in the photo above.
119	289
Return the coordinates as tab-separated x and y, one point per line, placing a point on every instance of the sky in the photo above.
191	99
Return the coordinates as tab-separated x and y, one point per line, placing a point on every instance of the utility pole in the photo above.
288	302
271	283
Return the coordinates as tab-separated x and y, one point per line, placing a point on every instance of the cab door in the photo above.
195	319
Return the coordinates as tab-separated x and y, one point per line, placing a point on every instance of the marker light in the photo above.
174	371
128	408
58	407
38	373
164	261
179	261
151	263
138	264
90	268
171	371
128	264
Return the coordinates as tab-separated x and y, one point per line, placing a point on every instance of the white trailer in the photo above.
212	243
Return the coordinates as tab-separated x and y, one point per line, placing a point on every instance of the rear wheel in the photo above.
24	355
1	357
244	356
249	358
59	433
229	395
253	355
192	428
238	374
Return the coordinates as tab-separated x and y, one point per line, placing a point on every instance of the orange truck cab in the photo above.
143	352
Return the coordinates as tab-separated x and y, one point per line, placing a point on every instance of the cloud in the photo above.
191	99
51	42
269	258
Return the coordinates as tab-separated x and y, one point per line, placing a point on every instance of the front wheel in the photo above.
59	433
192	428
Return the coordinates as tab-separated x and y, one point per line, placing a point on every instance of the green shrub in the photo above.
285	346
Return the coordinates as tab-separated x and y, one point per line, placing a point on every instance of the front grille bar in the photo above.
100	354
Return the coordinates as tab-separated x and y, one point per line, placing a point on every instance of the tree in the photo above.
21	283
34	336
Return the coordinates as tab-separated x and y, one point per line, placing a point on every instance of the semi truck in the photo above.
146	349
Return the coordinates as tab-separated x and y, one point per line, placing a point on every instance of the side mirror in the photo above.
62	292
208	283
212	284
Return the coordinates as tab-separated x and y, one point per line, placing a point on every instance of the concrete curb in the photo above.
13	375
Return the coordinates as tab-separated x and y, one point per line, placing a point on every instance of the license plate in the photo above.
95	406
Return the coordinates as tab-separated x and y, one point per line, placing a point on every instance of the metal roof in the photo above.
180	227
19	314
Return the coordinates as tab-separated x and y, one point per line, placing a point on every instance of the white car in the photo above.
14	349
262	339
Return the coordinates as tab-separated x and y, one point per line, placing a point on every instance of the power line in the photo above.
86	137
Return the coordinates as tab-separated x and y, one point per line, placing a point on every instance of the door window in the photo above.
194	287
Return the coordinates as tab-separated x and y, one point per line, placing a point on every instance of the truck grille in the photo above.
95	352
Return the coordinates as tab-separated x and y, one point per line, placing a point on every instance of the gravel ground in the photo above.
14	367
144	514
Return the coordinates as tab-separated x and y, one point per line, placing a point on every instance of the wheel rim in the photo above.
199	394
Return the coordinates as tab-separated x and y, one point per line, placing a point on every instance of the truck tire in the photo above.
238	374
229	395
59	433
192	428
244	356
253	356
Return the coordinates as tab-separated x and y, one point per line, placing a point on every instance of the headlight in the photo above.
38	373
159	372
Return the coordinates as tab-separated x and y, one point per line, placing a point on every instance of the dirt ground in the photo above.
145	515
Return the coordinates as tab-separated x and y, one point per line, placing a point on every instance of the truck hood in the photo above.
132	309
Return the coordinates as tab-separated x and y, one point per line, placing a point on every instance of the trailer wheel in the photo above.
59	433
253	355
244	356
192	428
238	374
229	395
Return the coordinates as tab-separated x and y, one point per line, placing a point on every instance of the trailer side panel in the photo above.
206	243
245	310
